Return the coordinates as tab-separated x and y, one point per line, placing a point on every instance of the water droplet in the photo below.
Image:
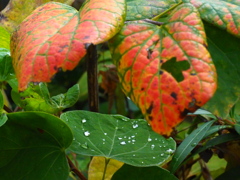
84	146
129	141
152	146
194	144
142	162
104	139
105	134
154	157
119	138
155	139
149	139
170	151
74	139
129	137
132	136
133	140
84	120
135	126
86	133
116	128
162	154
123	143
134	154
75	126
125	136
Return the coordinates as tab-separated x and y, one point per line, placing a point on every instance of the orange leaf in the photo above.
54	37
167	70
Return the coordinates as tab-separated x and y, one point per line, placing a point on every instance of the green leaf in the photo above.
3	119
226	58
128	172
37	98
113	136
33	147
188	144
142	9
4	38
6	68
214	129
216	141
1	101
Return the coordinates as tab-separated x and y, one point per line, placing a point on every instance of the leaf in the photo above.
226	59
142	51
224	15
100	21
4	38
6	68
3	118
17	10
142	9
113	136
128	172
97	167
188	144
38	54
33	147
232	173
1	101
37	98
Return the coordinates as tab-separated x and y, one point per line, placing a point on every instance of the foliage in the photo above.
173	63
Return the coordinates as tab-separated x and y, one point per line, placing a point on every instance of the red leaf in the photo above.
142	52
54	37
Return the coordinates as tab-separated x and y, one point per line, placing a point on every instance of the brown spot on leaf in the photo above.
149	53
174	95
150	118
149	110
184	113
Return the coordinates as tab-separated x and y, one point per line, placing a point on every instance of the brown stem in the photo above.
92	73
153	22
7	109
75	170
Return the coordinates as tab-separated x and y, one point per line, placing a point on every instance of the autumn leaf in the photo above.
224	15
55	37
165	93
97	166
17	10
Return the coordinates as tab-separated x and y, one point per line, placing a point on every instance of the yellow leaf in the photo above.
17	10
99	165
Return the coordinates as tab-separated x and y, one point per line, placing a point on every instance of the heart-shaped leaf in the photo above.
54	37
33	147
166	70
113	136
225	15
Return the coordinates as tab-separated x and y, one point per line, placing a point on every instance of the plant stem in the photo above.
105	167
165	12
92	73
75	170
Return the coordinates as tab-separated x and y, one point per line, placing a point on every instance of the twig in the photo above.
92	78
75	170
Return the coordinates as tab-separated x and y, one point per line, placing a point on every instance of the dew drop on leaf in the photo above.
84	146
86	133
105	134
170	151
149	139
123	143
84	120
135	126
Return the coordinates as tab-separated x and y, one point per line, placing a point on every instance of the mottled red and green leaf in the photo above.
141	51
225	15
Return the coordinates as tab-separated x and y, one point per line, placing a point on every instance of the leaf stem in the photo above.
75	170
105	167
92	74
165	12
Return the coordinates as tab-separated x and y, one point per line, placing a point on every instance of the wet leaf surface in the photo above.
143	52
114	136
